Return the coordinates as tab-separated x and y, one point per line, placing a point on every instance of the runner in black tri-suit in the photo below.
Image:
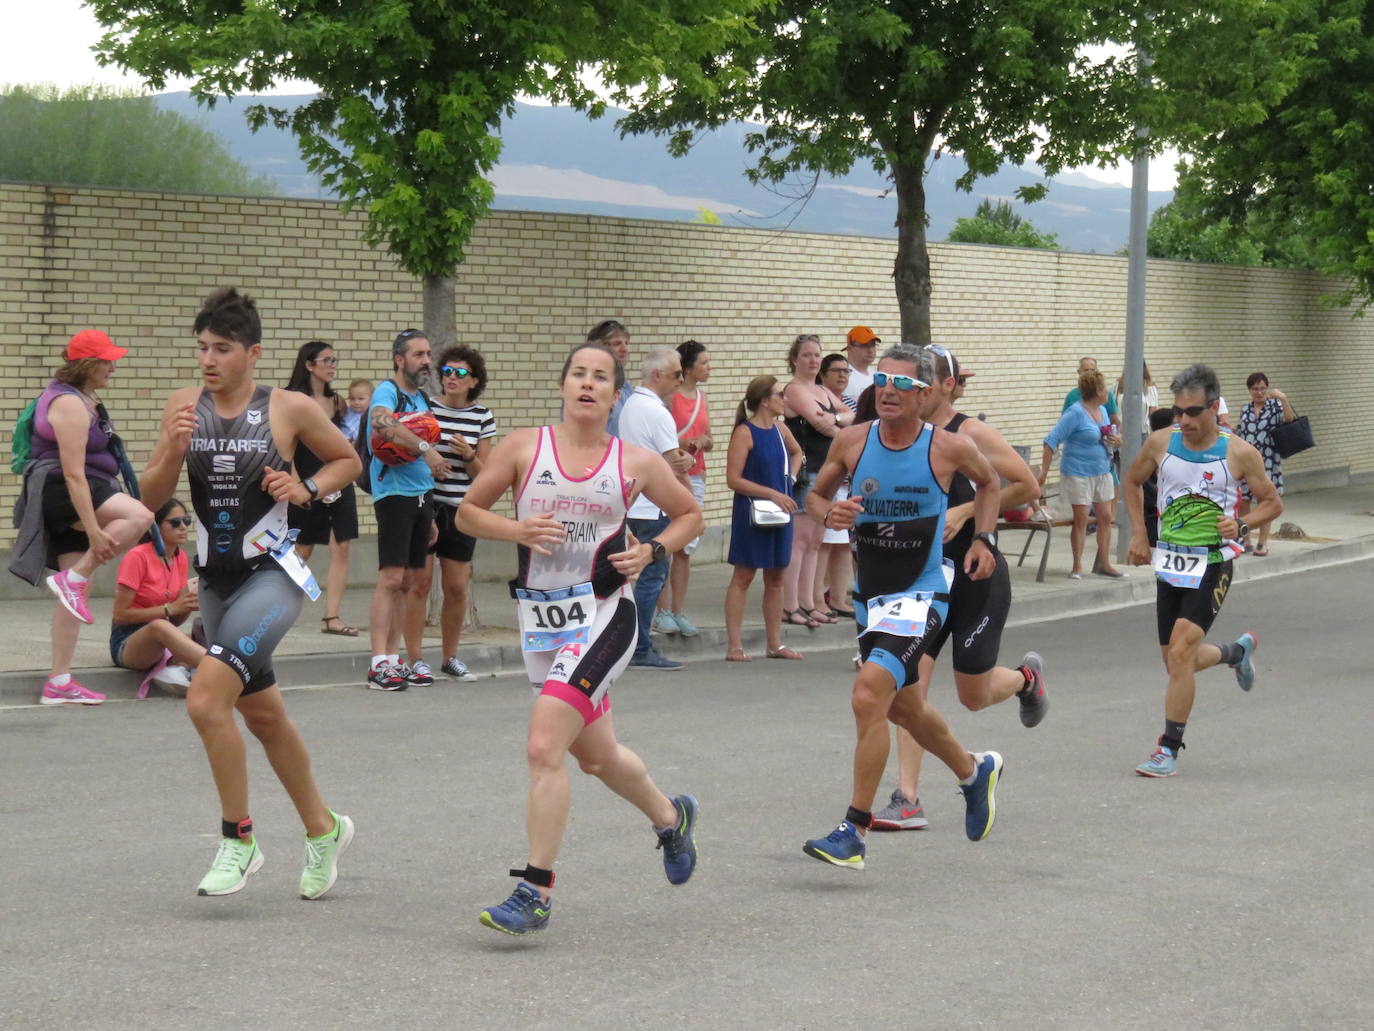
237	440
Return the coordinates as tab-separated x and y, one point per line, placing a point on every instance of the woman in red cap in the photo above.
74	512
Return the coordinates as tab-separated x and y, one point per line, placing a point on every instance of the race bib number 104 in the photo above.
553	619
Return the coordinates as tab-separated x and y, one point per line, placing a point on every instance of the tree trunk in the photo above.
441	322
911	269
441	327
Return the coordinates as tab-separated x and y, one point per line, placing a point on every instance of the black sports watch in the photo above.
309	484
1242	528
659	552
988	537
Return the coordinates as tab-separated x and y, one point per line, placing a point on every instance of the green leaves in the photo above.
412	92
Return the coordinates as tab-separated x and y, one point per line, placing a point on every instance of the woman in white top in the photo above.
466	430
1149	398
573	484
814	414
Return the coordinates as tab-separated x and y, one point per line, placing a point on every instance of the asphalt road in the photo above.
1236	895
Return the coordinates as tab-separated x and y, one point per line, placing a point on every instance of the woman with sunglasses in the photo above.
466	433
334	519
813	414
72	516
153	597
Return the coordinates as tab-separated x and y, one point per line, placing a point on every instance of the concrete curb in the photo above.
20	688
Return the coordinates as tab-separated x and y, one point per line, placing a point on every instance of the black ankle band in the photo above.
243	830
539	878
859	818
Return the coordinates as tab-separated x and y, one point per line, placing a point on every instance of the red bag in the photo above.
421	423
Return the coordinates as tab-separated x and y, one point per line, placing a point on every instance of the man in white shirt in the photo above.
645	420
860	348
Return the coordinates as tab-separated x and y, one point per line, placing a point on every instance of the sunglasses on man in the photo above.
903	383
453	370
1192	411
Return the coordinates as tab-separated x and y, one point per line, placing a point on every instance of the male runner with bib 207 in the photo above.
901	469
573	484
237	440
1200	468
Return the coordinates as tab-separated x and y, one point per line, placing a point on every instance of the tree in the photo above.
1310	161
411	92
841	82
1002	226
97	136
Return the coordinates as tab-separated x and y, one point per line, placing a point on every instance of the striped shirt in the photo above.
473	423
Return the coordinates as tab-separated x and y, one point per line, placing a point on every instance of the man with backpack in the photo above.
405	515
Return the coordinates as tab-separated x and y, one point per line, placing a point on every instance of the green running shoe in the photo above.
322	857
234	861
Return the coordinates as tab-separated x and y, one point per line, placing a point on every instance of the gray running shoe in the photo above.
1035	702
420	675
900	815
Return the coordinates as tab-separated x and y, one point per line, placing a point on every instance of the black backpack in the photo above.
362	443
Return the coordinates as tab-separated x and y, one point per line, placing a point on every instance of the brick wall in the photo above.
137	264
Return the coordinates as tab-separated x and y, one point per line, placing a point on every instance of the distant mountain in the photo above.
557	159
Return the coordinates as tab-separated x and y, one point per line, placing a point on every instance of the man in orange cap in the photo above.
860	347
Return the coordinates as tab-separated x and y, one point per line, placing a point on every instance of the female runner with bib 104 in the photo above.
573	484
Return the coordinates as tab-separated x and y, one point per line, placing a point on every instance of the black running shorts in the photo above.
1198	605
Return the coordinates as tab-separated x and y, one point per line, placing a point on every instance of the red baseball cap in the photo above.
92	343
862	335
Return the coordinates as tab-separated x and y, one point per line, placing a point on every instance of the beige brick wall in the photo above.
137	264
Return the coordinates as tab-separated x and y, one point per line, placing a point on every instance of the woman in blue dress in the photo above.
760	462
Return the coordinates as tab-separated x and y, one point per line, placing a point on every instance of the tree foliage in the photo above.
97	136
1000	225
844	82
1309	161
1186	230
411	92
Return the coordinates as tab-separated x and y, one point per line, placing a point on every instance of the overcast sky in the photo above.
51	40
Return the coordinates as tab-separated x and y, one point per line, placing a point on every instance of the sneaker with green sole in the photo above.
322	857
234	862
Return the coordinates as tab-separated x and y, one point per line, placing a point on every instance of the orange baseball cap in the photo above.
862	335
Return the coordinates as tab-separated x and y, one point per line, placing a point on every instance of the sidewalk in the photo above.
1336	522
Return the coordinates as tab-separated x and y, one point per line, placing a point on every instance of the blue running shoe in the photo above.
1245	668
980	797
1164	763
679	842
522	913
844	846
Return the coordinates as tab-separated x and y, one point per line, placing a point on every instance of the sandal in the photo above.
343	631
737	655
783	653
1260	550
819	616
841	613
798	617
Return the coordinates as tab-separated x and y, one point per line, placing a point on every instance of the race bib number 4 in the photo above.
1180	565
902	615
553	619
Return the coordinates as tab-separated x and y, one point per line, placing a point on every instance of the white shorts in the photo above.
581	674
1086	490
838	536
698	492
